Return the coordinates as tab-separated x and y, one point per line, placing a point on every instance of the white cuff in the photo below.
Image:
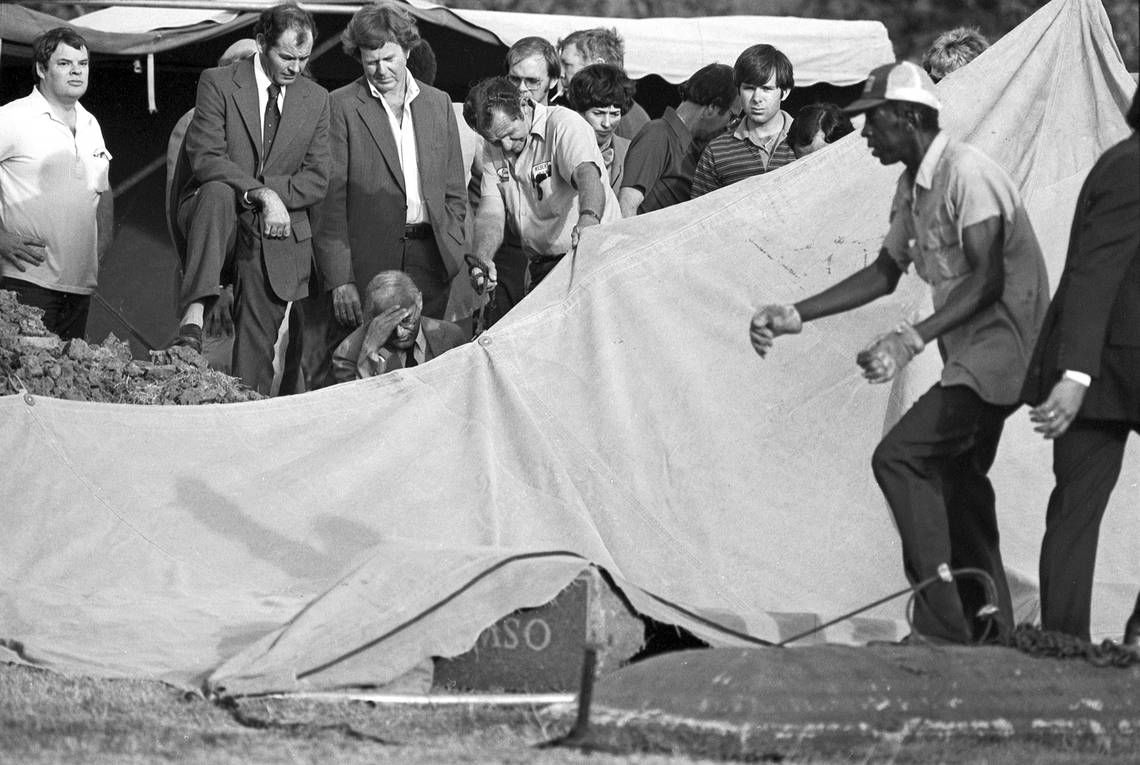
1078	377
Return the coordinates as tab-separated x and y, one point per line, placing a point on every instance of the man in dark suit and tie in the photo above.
258	148
178	175
396	192
1084	380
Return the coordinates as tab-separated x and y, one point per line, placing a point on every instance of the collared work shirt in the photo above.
536	188
50	182
404	132
955	187
731	157
660	163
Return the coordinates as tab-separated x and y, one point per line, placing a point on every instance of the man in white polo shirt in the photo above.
56	214
542	174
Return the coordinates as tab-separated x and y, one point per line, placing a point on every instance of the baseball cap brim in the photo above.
863	105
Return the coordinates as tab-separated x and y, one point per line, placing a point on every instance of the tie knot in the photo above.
274	91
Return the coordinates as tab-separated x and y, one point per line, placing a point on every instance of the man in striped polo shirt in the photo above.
764	79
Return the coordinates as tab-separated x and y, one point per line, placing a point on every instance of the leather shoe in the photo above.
189	336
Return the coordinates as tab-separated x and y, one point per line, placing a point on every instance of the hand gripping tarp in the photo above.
618	416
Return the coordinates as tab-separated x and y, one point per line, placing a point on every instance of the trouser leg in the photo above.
911	467
424	263
292	371
65	313
258	314
316	357
510	266
974	536
73	316
210	220
537	270
1086	465
1132	626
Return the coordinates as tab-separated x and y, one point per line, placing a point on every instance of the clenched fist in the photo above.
770	322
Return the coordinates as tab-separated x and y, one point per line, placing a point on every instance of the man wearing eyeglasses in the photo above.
543	178
395	334
533	66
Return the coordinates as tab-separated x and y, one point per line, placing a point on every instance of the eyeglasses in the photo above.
530	83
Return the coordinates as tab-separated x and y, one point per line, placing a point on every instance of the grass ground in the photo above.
48	718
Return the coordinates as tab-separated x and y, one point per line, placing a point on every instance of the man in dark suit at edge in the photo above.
258	148
1084	381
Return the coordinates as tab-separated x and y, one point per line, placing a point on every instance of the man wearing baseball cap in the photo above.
958	217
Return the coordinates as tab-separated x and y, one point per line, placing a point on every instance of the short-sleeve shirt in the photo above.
660	163
731	157
50	182
536	188
632	122
957	186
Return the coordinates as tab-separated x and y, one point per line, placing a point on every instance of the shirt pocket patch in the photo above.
98	169
941	253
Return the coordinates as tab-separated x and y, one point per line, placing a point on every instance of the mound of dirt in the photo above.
33	359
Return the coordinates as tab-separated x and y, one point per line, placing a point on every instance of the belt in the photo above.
418	231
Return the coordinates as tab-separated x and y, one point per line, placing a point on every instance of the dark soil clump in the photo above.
35	360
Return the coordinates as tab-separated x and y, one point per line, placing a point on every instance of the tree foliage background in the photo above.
912	24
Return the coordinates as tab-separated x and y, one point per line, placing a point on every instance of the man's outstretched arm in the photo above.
878	279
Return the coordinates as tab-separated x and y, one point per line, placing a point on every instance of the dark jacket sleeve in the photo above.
1108	234
330	238
455	192
206	144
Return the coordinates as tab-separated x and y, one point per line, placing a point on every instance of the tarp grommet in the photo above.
484	341
29	399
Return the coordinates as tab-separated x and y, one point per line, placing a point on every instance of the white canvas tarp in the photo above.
617	416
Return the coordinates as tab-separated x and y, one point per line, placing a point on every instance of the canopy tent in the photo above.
149	57
836	52
823	51
617	416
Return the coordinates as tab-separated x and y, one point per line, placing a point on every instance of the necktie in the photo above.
410	357
272	118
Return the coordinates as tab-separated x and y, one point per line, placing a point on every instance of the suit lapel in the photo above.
292	117
375	119
245	98
426	151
